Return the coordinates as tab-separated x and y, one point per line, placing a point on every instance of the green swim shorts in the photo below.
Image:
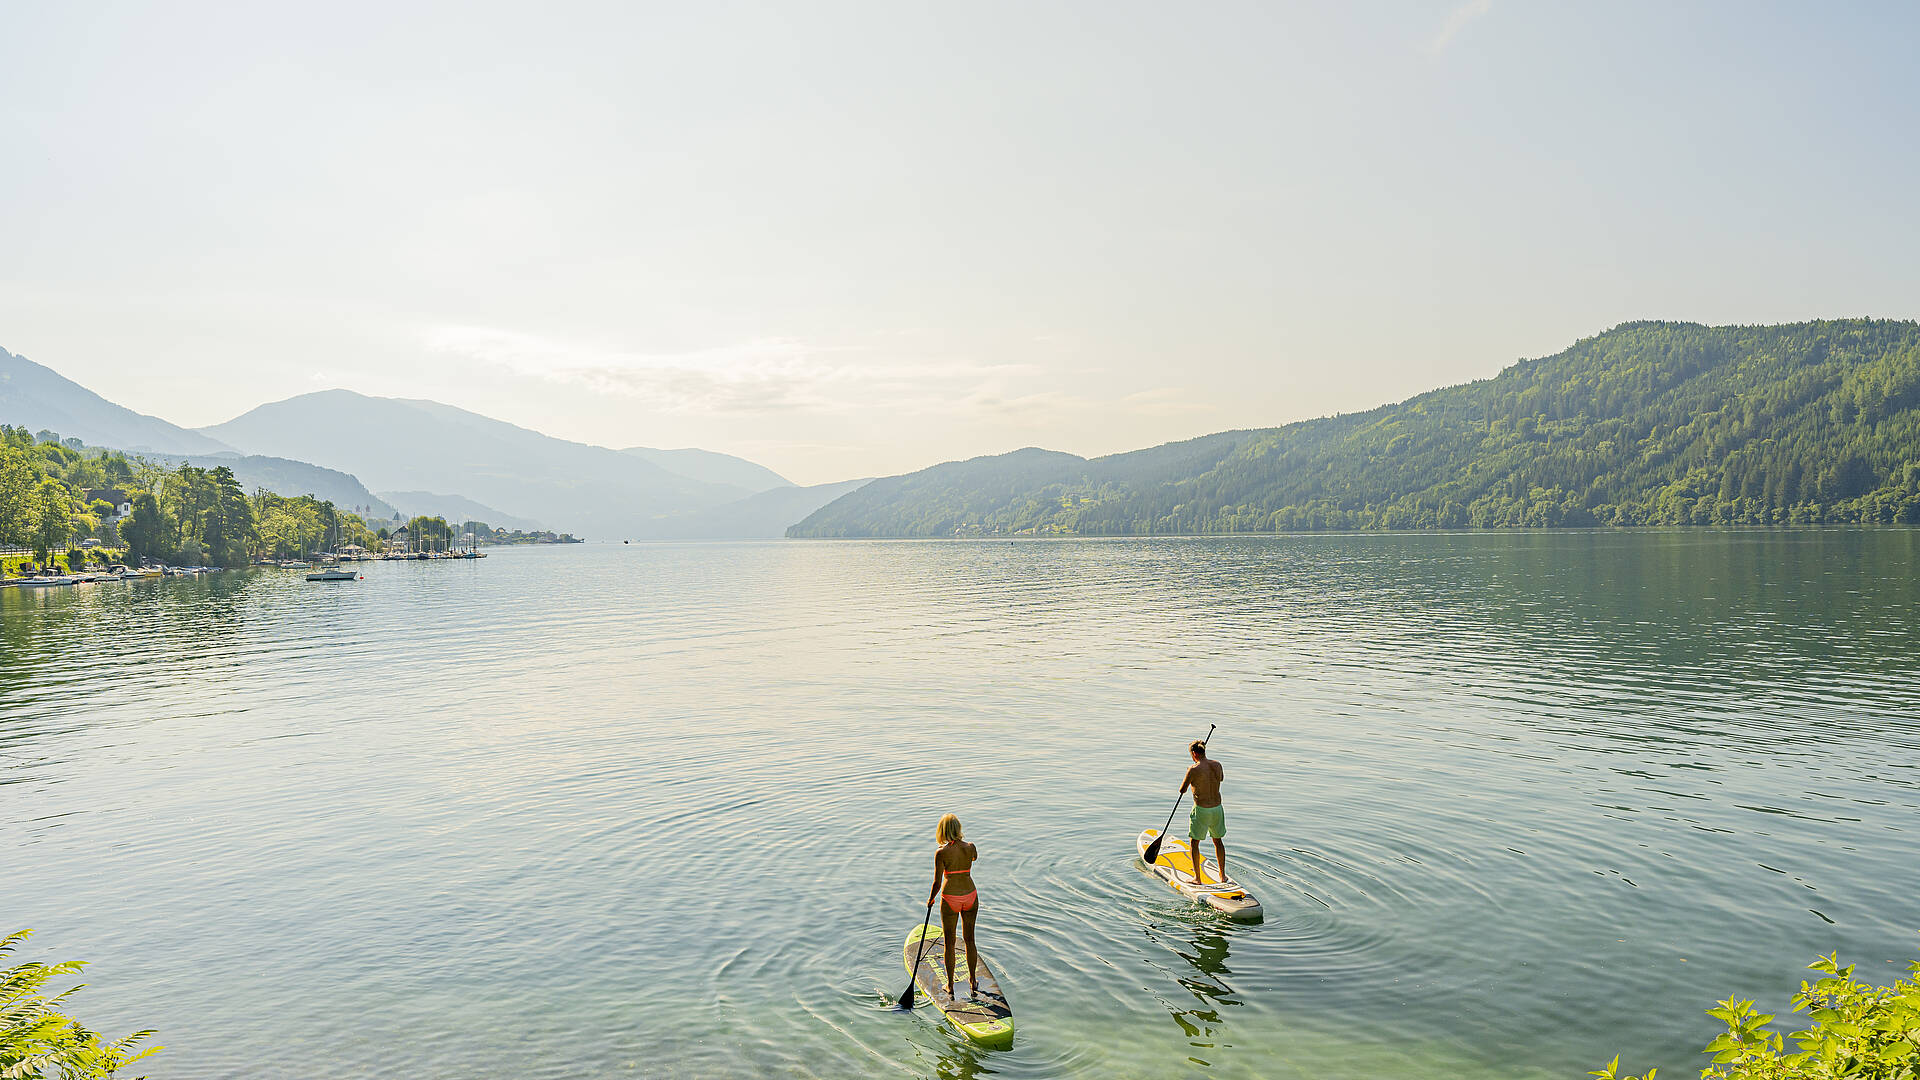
1207	821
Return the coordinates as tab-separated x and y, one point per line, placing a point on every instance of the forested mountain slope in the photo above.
1650	423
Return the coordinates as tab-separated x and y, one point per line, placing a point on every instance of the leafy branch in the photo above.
1857	1030
39	1041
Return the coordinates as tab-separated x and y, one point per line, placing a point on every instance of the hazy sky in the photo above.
853	239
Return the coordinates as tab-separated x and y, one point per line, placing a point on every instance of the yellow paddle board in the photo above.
1175	867
984	1018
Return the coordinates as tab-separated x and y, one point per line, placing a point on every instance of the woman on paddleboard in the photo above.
953	884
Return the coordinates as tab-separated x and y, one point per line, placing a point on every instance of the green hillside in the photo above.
1649	423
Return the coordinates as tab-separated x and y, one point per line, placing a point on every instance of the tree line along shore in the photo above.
64	505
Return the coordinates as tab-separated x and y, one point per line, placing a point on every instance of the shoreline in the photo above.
1617	530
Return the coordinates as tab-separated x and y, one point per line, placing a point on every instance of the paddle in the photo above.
1153	849
906	998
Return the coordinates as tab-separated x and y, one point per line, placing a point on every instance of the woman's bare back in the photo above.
957	861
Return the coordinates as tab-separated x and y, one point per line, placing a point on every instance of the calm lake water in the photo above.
1514	802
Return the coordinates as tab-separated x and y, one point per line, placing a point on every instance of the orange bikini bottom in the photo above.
961	901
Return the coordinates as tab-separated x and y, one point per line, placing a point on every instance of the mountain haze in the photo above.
1648	423
289	478
433	459
405	445
710	467
38	398
764	515
456	508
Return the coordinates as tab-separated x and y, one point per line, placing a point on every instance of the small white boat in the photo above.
39	582
334	575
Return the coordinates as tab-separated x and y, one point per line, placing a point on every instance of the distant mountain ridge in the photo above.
290	478
433	459
456	508
1647	423
410	445
711	467
38	398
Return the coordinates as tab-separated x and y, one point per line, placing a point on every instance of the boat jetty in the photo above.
52	578
331	565
401	547
319	566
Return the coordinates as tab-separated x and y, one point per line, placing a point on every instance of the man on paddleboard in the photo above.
1208	819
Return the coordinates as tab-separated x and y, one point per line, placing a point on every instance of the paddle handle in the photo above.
1170	813
924	923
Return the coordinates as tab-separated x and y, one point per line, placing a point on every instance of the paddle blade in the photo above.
906	999
1152	852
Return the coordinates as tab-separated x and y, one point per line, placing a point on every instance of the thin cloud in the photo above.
1162	401
1457	20
785	376
771	375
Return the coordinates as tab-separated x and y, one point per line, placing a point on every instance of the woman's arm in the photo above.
937	875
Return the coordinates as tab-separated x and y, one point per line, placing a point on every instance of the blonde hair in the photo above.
948	831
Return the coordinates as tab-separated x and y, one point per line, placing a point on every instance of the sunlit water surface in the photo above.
1514	803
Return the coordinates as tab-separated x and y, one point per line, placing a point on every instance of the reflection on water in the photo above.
1208	955
1202	1025
960	1061
1512	803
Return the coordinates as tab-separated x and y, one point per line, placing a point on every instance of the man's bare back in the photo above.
1204	778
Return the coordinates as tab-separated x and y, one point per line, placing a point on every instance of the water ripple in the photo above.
667	809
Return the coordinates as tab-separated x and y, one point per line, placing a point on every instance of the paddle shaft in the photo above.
1153	849
906	997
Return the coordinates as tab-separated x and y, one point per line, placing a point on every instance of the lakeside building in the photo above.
121	502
